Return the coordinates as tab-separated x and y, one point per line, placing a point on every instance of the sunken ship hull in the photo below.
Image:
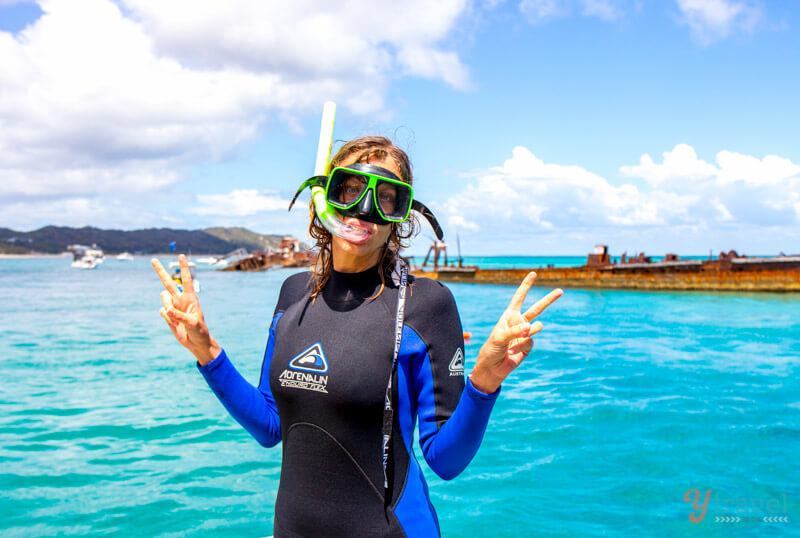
729	272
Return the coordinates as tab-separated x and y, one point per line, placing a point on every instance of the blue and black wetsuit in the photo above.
322	388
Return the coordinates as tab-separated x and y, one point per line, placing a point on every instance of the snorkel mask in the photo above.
363	191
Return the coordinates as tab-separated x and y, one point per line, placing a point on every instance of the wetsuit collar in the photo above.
344	287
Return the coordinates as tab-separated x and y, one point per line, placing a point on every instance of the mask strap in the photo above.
310	182
421	208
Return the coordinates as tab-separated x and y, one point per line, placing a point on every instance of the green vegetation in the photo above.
54	240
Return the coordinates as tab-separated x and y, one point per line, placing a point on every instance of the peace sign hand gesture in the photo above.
182	313
510	340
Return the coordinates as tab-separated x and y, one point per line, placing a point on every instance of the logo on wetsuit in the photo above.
306	370
457	363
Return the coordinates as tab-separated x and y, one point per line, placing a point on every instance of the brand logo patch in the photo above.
457	363
306	370
310	360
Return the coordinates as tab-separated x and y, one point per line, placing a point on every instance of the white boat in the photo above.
125	256
85	263
176	275
84	257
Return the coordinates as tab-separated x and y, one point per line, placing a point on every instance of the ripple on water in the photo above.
629	399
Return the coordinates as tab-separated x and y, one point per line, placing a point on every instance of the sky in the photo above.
535	127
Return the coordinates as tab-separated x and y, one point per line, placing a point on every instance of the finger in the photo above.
166	300
536	327
170	323
522	291
543	303
524	347
520	354
177	315
183	338
507	334
186	276
519	343
166	280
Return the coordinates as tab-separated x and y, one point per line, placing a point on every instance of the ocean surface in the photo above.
631	403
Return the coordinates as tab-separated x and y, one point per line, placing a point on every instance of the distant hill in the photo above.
54	239
246	238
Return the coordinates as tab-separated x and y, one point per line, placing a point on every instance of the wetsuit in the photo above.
321	392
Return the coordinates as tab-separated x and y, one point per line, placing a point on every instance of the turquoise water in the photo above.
630	400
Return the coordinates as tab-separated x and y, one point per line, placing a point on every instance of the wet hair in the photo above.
363	150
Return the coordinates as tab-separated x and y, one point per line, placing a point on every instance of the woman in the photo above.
336	388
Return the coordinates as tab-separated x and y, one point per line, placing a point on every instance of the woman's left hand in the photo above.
511	339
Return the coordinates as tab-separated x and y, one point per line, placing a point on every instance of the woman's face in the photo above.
379	233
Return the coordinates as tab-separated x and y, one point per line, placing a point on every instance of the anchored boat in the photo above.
84	257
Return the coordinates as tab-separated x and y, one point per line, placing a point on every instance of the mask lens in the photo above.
393	199
345	189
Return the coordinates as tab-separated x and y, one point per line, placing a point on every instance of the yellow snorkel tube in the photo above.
326	214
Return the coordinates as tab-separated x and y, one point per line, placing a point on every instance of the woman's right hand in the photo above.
182	313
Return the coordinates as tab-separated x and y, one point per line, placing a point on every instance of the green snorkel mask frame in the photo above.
378	196
363	205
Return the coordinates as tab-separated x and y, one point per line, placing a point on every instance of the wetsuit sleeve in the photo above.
452	415
252	407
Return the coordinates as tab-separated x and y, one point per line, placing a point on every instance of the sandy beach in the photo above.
69	255
35	255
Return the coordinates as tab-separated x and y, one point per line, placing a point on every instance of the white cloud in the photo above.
98	97
711	20
108	212
680	192
739	188
769	171
433	64
239	203
602	9
458	221
708	20
354	44
42	179
537	11
525	188
682	162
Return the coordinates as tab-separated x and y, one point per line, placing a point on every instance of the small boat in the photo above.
85	263
176	275
125	256
84	257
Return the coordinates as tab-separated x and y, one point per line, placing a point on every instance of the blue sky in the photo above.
528	123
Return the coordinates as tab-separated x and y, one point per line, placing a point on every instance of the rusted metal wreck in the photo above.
728	272
288	254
